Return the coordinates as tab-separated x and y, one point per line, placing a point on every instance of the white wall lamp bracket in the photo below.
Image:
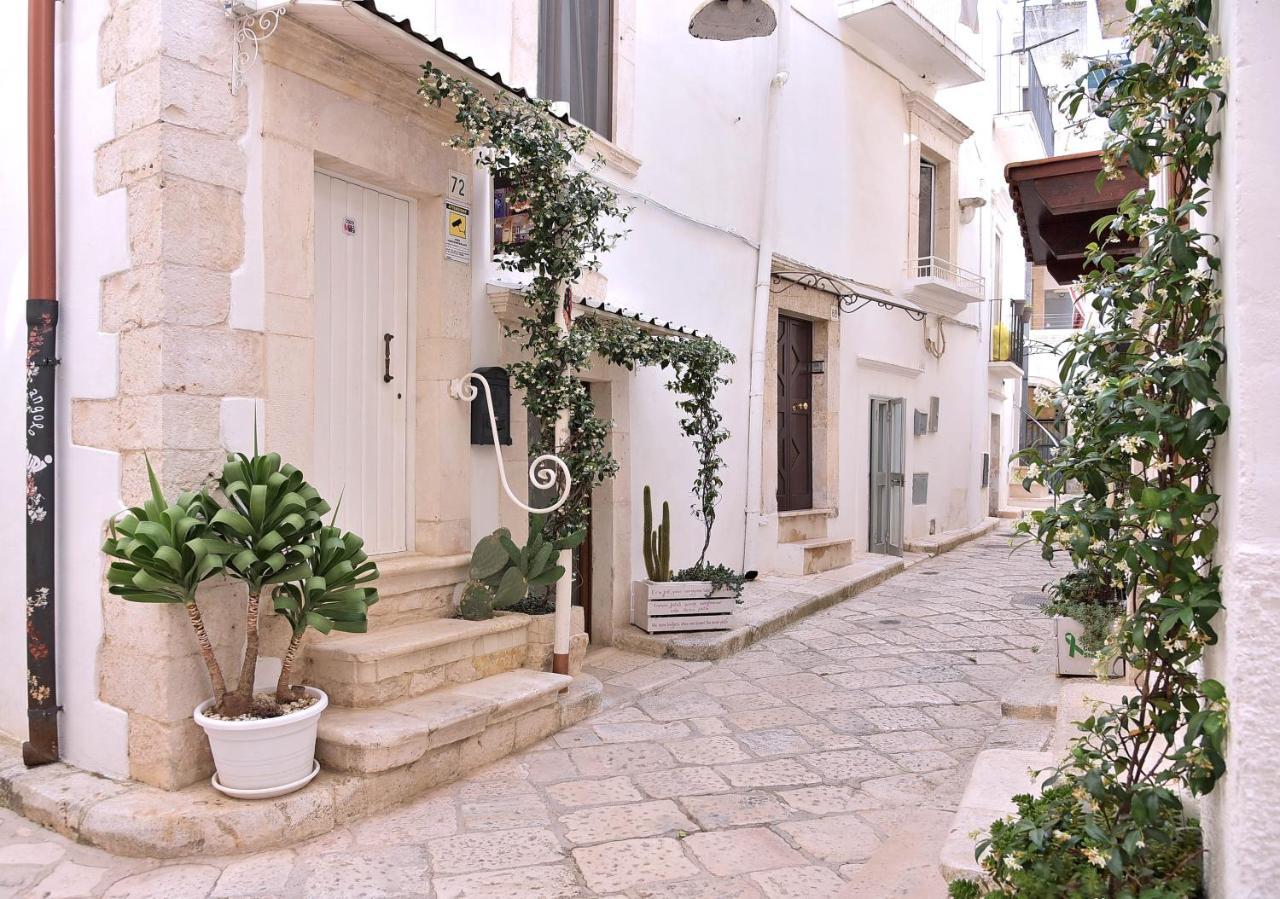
545	471
253	25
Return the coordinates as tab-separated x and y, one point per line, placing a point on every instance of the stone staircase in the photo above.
804	547
423	698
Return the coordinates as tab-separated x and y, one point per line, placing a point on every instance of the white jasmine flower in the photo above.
1129	444
1177	361
1033	470
1095	857
1012	863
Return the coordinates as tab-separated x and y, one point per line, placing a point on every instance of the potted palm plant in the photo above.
700	598
269	534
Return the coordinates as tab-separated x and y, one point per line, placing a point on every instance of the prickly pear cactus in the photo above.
476	603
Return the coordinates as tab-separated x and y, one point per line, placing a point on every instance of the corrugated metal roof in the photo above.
649	323
438	44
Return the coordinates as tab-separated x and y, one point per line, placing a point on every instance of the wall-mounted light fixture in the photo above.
733	20
968	205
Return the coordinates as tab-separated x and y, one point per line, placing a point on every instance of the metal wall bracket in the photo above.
545	472
253	25
848	299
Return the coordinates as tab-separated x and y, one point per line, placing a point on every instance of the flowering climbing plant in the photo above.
1143	408
575	218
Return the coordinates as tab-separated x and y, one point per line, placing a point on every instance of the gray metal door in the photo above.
886	476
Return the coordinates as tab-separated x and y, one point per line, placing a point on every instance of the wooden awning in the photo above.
1058	200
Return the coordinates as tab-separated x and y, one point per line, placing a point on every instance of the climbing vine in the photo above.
574	219
1143	407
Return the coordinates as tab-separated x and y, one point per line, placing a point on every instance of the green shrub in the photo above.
1086	596
722	577
1063	846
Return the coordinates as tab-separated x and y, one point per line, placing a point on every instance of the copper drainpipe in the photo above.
42	321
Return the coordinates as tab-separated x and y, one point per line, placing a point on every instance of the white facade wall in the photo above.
1242	825
696	112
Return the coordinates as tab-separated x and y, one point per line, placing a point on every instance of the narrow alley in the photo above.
824	761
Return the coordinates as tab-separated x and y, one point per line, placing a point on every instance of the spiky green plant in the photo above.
328	597
163	552
657	544
272	513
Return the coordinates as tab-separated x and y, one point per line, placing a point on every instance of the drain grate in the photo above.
889	621
929	573
1032	600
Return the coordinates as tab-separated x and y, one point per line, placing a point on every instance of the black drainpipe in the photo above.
42	330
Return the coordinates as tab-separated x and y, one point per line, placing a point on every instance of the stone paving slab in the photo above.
825	760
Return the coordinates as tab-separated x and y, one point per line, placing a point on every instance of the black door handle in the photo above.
387	376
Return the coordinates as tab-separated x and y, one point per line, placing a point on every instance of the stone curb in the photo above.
140	821
715	645
947	542
721	644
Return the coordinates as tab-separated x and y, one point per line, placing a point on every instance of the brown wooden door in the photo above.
795	401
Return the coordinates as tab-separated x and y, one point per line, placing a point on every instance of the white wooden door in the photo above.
362	267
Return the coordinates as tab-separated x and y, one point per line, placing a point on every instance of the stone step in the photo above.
997	776
814	556
805	524
413	586
392	663
368	741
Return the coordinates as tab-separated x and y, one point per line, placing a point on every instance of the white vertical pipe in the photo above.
564	586
760	308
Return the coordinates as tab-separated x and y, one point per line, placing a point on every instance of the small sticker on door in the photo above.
349	225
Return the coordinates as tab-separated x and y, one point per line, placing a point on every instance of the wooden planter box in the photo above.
1072	660
679	606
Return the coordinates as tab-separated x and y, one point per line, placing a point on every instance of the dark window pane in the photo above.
925	240
575	59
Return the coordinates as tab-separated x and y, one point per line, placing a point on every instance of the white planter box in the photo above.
677	606
264	757
1073	661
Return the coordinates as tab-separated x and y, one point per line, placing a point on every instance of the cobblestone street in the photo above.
823	761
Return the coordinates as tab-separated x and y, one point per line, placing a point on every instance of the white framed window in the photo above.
926	238
575	59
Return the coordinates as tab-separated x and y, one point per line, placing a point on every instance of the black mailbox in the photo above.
500	386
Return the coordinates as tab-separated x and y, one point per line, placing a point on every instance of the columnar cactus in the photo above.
657	544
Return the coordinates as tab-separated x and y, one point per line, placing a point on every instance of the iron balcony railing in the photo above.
1058	321
939	268
1009	332
1021	90
1035	100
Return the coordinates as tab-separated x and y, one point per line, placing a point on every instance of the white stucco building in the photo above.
219	229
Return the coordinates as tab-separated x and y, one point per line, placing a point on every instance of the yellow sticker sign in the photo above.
457	245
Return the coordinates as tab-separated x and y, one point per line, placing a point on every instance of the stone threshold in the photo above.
141	821
949	540
772	603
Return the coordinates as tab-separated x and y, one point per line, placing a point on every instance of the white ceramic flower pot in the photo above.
266	756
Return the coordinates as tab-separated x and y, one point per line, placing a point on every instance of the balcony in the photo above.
1009	320
942	287
925	36
1024	114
